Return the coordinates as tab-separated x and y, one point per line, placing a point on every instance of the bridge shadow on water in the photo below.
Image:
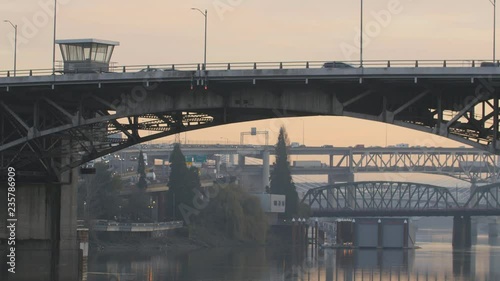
434	261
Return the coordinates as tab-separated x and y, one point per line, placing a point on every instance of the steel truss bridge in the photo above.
465	164
468	164
52	123
399	199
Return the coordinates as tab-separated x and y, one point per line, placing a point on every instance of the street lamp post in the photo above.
361	37
54	40
494	3
15	44
205	14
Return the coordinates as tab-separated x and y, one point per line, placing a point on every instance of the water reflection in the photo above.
434	261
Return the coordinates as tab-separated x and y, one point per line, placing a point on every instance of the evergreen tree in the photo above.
141	170
100	194
181	183
281	177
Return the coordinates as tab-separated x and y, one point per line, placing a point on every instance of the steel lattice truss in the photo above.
380	195
485	197
467	113
398	198
475	167
53	137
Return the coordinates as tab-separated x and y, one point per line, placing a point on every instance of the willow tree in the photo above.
281	177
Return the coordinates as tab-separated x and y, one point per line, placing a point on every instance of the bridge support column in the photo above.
462	232
329	193
241	160
350	177
46	235
231	160
44	212
351	201
331	179
217	164
493	229
265	170
473	230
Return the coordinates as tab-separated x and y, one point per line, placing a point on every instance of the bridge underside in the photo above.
47	122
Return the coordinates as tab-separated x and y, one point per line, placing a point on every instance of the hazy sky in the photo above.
166	31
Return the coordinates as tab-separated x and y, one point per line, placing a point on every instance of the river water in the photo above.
435	260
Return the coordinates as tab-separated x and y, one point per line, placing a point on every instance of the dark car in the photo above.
152	69
489	64
337	64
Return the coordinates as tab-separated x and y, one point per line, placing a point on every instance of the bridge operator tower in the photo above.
86	55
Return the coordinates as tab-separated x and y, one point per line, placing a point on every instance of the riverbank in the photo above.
185	239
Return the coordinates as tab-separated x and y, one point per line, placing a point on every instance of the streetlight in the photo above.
361	37
205	14
54	41
15	43
494	3
227	140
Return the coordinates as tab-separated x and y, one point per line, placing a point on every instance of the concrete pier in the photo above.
462	237
493	229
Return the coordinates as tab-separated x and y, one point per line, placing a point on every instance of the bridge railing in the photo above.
135	224
259	65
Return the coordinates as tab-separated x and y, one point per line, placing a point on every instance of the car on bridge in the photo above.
489	64
152	69
336	64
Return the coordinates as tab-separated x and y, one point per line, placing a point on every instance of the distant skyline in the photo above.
163	32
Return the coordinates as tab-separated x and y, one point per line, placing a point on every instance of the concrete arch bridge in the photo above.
63	121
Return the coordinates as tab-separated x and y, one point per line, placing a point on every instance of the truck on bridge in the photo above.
307	164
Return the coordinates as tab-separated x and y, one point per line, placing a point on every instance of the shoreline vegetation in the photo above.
233	218
226	216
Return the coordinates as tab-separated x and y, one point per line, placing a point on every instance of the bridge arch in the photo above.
379	197
457	103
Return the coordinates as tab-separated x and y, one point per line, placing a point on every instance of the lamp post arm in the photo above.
199	11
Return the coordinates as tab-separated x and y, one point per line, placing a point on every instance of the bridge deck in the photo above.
459	74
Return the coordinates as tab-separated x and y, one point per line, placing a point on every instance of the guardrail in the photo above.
159	224
258	65
135	227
